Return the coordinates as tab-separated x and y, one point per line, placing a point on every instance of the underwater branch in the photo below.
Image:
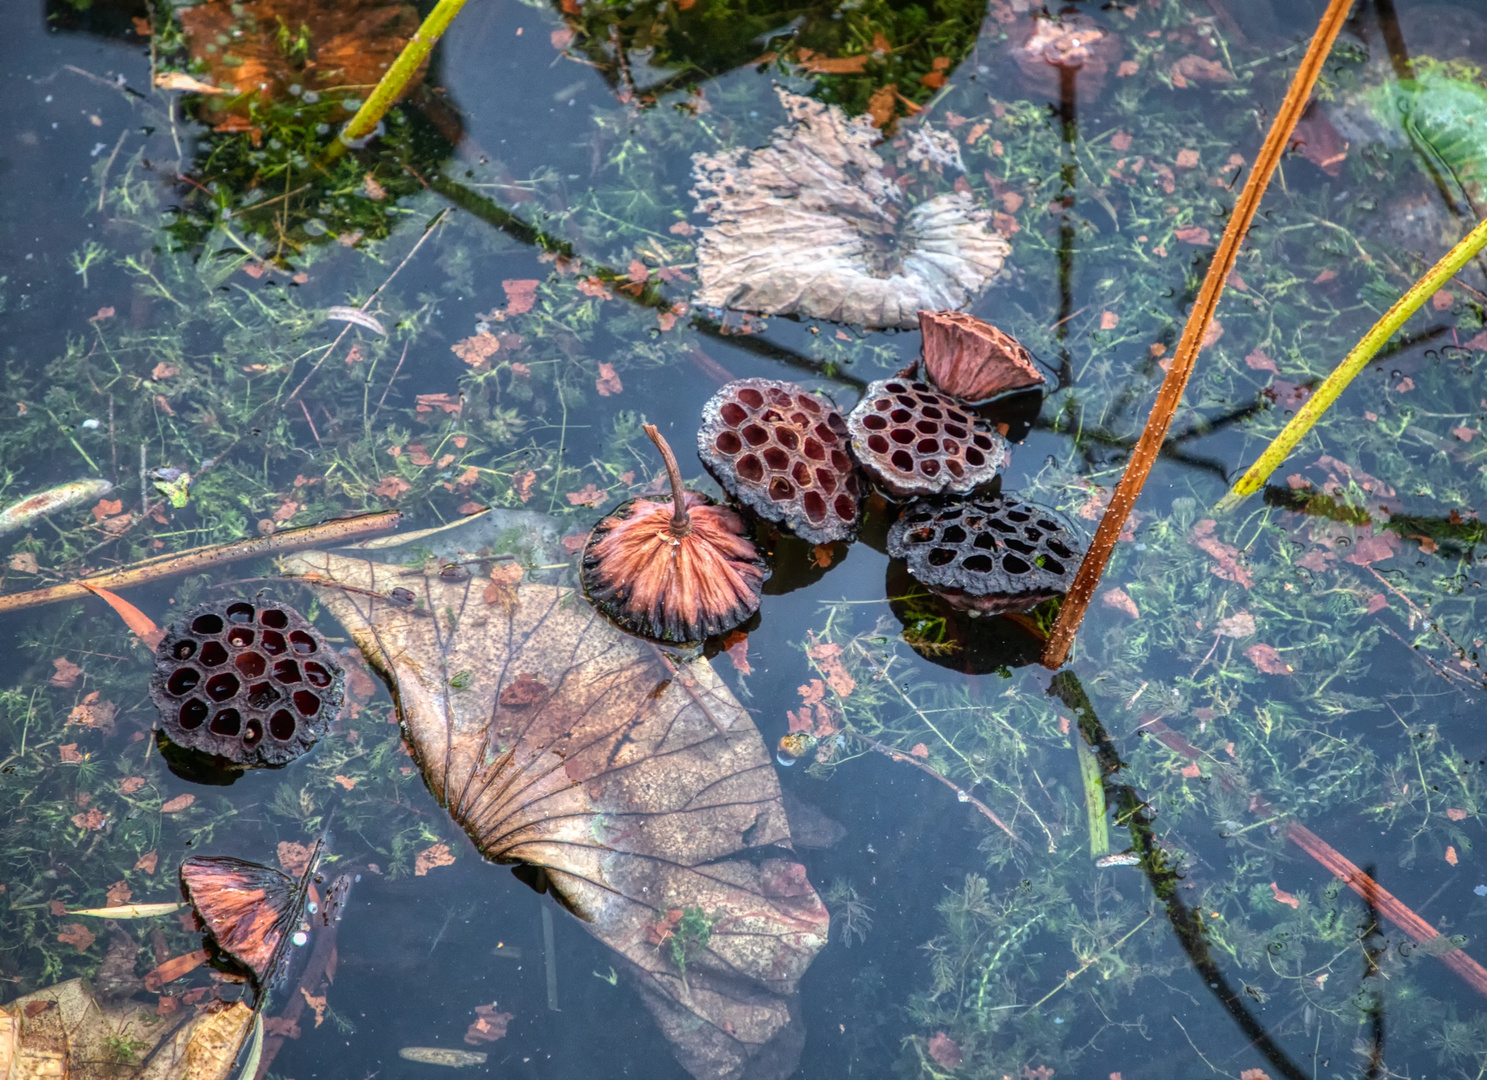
1169	396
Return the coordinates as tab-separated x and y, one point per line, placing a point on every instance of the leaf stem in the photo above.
681	523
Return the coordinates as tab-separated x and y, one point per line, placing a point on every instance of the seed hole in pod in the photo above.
1000	526
958	417
902	436
800	472
307	703
882	404
250	665
750	468
281	725
728	443
303	643
778	397
1053	566
907	402
751	397
1047	526
755	435
262	695
273	643
1013	565
941	557
900	416
227	722
1032	533
808	403
213	654
813	450
184	649
952	447
733	414
827	480
240	637
954	535
222	686
843	464
815	506
1018	516
877	444
895	388
873	422
1060	549
902	460
286	671
926	427
182	681
207	624
932	413
274	618
240	613
928	446
316	675
980	564
830	435
955	431
252	732
193	714
930	467
781	489
975	457
957	470
1019	545
846	507
981	440
786	437
799	419
776	459
984	541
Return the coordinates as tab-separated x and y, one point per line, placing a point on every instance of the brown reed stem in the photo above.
1169	396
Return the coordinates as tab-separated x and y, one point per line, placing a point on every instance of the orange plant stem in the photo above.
1388	904
1169	397
186	562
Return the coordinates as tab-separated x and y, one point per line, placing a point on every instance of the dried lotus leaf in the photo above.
636	784
810	225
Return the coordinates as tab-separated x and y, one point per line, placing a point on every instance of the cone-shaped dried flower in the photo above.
679	571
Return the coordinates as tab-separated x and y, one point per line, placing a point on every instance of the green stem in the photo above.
392	85
1094	799
1331	388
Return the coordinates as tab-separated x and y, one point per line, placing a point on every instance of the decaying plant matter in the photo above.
557	741
679	571
914	440
810	225
973	360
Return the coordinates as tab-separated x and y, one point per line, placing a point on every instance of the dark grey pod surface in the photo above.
247	681
914	440
782	451
988	555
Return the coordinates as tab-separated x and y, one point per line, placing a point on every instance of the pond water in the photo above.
1277	695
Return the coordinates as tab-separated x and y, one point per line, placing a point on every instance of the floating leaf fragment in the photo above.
131	911
356	316
436	1055
1283	897
28	511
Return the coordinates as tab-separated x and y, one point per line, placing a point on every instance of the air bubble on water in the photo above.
1480	890
296	89
784	759
300	937
310	97
312	907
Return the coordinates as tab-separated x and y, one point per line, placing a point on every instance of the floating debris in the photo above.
252	684
30	510
987	555
973	360
914	440
1070	46
1125	858
794	746
437	1055
131	911
810	225
357	316
677	572
781	451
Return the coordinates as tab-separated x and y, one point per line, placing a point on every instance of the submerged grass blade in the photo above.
1094	800
1333	386
1169	397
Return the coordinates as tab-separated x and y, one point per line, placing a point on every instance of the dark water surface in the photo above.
1311	658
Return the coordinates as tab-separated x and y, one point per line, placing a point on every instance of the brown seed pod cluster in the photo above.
914	440
782	451
247	681
988	555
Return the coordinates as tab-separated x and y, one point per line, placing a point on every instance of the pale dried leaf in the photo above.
637	785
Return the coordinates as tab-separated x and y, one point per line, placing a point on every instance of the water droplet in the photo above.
300	937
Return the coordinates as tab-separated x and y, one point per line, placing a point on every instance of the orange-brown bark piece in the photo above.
636	784
973	360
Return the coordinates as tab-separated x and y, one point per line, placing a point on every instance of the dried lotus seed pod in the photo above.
249	681
782	452
914	440
988	555
973	360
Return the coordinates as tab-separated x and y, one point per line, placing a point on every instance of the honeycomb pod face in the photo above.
988	555
913	440
248	681
782	452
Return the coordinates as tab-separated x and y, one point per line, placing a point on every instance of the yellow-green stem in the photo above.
1094	799
392	85
1333	386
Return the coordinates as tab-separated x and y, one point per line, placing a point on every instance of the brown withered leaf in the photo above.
67	1032
635	784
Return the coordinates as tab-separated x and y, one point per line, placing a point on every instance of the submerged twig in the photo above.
1169	397
186	562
